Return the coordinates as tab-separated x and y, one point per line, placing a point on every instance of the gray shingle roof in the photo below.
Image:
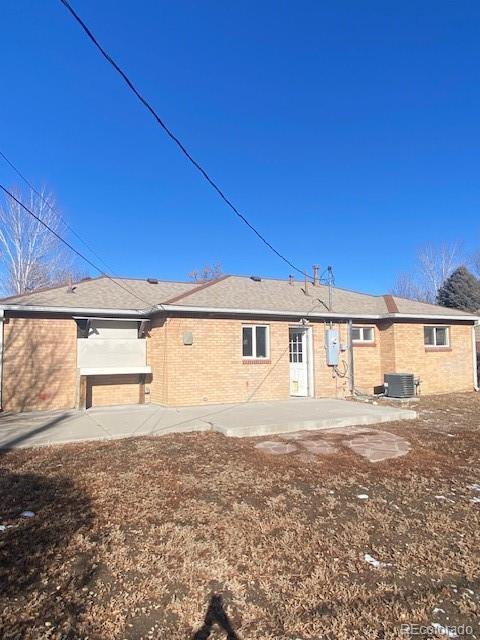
230	292
278	295
242	292
102	293
412	306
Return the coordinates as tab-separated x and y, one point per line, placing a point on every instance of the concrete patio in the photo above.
238	420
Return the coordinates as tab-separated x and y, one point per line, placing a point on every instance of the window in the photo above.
436	336
82	327
363	334
296	346
111	329
255	341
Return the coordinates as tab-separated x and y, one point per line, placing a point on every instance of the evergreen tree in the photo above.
460	291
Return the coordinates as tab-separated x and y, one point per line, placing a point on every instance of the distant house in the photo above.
234	339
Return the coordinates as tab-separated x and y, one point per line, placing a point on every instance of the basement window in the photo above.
255	341
363	334
436	336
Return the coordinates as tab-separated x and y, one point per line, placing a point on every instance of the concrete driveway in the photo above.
233	420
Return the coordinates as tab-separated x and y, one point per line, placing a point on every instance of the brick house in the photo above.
234	339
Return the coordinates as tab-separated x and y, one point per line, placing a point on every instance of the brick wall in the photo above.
157	359
367	360
400	348
211	370
327	384
39	364
440	371
386	335
115	389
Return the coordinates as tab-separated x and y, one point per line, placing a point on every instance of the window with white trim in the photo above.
363	334
436	336
255	341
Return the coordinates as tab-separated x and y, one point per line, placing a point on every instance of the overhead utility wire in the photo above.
52	208
67	226
175	139
67	244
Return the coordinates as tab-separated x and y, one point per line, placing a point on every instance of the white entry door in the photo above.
298	362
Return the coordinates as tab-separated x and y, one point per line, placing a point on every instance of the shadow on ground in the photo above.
216	615
41	579
23	438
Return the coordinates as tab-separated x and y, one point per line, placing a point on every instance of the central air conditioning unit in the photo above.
399	385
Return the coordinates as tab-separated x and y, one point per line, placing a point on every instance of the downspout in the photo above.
351	363
474	360
2	314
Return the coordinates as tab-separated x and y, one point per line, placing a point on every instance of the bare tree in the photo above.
31	257
406	286
206	273
434	264
437	262
475	263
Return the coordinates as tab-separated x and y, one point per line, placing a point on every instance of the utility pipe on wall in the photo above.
351	363
474	360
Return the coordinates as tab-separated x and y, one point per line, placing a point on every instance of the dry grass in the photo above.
131	538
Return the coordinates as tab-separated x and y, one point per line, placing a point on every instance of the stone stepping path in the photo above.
374	446
275	448
319	447
379	446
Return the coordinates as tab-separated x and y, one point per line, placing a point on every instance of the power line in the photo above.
45	201
173	137
67	226
67	244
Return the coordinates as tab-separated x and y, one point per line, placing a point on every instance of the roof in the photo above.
240	292
103	293
227	293
412	306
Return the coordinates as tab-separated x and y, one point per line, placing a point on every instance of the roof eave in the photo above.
439	316
306	314
87	311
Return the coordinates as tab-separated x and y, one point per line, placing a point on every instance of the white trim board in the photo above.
112	371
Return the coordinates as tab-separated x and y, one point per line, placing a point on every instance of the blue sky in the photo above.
347	132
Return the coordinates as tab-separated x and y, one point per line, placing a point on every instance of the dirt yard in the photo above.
134	538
